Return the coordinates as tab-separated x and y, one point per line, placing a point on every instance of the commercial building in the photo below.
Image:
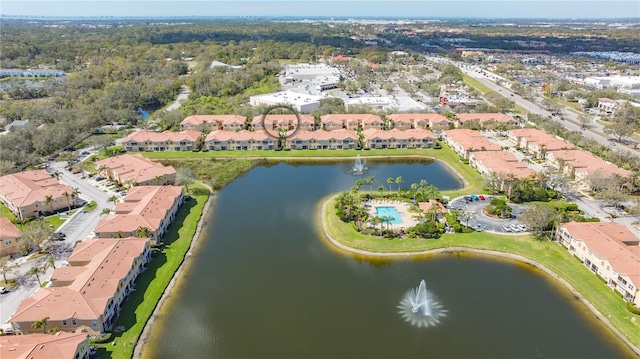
304	103
150	207
136	170
34	193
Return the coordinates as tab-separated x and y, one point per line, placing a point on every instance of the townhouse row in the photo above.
88	293
609	250
329	122
488	157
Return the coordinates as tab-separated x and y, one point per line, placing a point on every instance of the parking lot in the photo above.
483	222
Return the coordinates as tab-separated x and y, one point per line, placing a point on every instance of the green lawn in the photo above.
476	84
152	283
550	254
54	221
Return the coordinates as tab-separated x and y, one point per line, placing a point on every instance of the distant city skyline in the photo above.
525	9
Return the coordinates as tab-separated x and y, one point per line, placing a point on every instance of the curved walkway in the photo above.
509	256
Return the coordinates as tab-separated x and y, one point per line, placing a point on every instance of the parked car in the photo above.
85	153
481	198
3	290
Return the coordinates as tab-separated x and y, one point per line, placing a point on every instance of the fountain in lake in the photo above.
358	167
421	308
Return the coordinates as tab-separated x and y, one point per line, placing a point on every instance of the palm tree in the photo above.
399	182
67	194
113	199
118	234
105	211
42	323
390	181
75	193
51	262
381	188
49	200
36	270
157	180
361	215
414	187
143	232
370	181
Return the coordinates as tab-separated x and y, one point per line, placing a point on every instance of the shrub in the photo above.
104	339
632	308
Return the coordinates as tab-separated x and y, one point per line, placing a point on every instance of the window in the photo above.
94	323
73	322
64	322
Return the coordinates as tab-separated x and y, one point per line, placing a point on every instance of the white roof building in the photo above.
301	102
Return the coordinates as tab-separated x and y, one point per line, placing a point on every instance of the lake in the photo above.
263	283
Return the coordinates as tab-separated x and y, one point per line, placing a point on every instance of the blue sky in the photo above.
356	8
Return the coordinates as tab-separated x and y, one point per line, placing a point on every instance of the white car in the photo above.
3	290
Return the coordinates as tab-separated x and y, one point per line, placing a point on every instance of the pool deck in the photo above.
401	207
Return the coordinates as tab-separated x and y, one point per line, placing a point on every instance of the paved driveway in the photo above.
485	223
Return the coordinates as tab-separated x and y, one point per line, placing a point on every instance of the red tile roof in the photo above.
61	345
136	168
28	187
605	239
144	136
8	230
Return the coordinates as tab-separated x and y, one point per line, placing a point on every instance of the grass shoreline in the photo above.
153	283
549	257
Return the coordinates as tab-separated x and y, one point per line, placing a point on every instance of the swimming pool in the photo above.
389	212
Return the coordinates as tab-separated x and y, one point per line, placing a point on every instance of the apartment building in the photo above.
135	170
214	122
89	293
464	141
485	120
323	140
186	140
35	193
151	207
609	250
242	140
60	345
9	237
396	138
405	121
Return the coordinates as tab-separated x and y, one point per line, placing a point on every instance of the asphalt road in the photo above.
533	107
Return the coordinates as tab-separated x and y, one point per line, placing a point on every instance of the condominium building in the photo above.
485	119
136	170
150	207
241	140
9	237
89	293
464	141
323	140
141	141
609	250
34	193
214	122
404	121
60	345
395	138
